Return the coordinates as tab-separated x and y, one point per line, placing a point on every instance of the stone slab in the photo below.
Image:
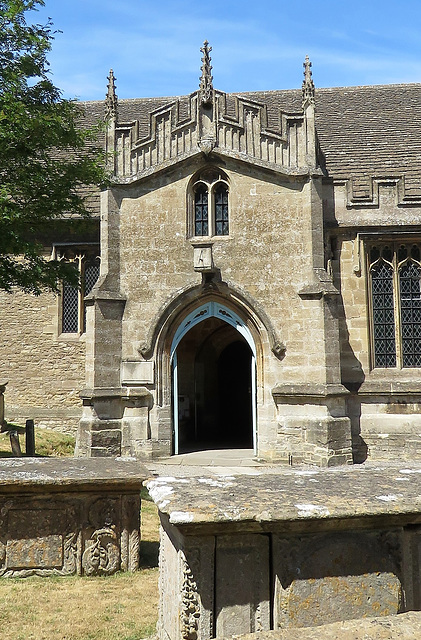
288	497
37	474
406	626
61	516
242	583
333	544
337	575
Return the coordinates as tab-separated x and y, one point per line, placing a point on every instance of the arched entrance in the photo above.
214	381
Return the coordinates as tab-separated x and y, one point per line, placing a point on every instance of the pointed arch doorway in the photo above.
213	359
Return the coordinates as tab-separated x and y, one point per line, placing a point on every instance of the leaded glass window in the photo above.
70	309
210	204
201	211
73	313
221	210
395	276
409	289
90	276
383	315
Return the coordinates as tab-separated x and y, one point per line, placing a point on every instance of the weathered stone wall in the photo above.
284	549
45	371
63	517
355	363
385	403
265	255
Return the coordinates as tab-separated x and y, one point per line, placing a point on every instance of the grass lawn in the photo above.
119	607
47	442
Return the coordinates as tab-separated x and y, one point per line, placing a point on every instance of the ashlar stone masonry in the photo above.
260	261
212	284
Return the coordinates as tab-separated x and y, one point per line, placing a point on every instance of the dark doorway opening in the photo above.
235	403
214	381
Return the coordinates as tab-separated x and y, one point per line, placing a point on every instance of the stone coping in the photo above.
55	474
288	498
405	626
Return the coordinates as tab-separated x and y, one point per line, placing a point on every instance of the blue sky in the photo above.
154	47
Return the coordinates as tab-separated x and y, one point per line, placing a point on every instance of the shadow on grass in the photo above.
149	554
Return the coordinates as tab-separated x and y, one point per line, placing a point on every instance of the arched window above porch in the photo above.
208	204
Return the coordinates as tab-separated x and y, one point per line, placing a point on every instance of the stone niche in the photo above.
285	550
62	517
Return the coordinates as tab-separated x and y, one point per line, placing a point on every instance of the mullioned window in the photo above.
209	204
72	307
395	299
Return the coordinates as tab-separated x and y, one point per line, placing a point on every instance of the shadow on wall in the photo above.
351	369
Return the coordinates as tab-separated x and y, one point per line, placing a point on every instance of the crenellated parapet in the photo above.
172	136
210	121
244	135
365	191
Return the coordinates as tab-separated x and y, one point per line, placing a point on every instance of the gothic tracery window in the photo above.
210	204
73	312
221	210
395	275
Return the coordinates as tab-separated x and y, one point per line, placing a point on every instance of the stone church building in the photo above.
251	279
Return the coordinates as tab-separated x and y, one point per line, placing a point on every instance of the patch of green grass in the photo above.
47	442
53	443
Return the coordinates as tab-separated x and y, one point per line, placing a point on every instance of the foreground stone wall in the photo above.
222	584
284	550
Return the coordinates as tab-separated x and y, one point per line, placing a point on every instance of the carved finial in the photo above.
206	86
111	97
308	84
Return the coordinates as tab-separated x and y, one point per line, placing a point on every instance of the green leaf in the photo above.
49	161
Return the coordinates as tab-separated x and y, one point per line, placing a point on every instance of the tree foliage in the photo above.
46	157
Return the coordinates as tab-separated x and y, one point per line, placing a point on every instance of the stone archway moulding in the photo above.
212	309
224	291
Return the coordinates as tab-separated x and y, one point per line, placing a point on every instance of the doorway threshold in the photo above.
214	457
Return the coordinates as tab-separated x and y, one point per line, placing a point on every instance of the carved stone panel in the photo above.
68	532
45	552
197	607
331	577
186	586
